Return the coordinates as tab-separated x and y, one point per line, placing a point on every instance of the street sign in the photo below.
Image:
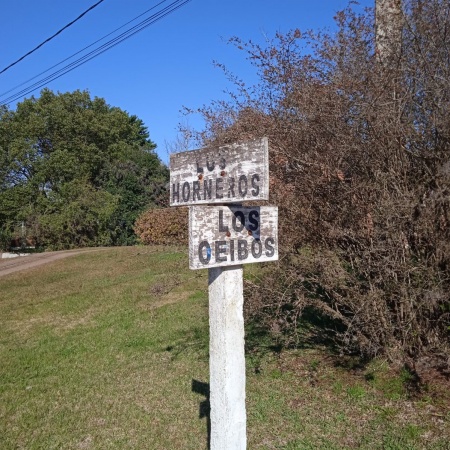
232	173
232	235
222	238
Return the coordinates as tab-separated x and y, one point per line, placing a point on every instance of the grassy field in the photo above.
107	350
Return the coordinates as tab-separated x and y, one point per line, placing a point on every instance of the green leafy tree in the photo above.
76	169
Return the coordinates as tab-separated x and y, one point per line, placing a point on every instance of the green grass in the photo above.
100	350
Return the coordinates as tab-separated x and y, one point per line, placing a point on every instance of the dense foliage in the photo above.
76	171
360	170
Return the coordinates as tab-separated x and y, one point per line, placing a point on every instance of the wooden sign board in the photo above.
233	173
232	235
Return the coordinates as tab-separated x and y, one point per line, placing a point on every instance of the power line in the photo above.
82	50
98	51
51	37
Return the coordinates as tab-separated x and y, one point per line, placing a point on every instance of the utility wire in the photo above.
98	51
82	50
113	42
51	37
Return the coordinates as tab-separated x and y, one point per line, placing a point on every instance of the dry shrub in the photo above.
165	226
360	171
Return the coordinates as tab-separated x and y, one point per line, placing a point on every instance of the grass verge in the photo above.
101	350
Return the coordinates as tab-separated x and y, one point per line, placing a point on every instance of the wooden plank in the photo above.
231	235
233	173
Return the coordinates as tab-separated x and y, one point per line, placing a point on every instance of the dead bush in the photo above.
165	226
360	171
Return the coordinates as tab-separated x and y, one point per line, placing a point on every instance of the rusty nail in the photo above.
200	177
228	234
250	232
223	173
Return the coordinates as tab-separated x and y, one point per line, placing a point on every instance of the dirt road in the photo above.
11	265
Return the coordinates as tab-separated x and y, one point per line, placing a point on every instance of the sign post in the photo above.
221	239
227	359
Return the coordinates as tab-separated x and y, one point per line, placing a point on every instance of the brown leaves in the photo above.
360	172
165	226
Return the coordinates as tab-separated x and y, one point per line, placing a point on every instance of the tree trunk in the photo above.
388	29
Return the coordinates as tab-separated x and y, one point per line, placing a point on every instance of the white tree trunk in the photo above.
388	29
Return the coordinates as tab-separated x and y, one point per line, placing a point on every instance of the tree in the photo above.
77	169
388	26
361	178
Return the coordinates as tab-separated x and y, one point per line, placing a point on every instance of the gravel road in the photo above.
11	265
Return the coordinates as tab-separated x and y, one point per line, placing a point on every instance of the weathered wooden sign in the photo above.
222	238
233	173
232	235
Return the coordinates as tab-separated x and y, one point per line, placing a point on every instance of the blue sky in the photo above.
161	69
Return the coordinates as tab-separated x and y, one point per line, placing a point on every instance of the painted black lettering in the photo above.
243	185
210	165
204	259
219	187
253	218
256	248
221	249
186	191
269	244
196	190
242	250
232	249
199	169
241	216
222	163
175	192
222	227
207	190
231	193
255	185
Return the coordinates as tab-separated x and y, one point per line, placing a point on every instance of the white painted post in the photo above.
227	359
219	238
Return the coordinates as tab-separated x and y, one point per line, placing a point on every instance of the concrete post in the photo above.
227	359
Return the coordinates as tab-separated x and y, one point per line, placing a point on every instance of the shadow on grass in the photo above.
313	331
199	387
